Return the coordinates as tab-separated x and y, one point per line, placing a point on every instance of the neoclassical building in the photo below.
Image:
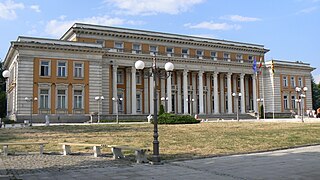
91	68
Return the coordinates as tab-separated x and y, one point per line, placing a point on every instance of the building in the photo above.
91	68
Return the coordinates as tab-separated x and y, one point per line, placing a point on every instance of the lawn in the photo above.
176	141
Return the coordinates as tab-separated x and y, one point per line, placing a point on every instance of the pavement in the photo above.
297	163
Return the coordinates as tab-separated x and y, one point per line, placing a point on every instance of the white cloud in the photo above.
308	10
148	7
8	9
238	18
213	26
36	8
56	28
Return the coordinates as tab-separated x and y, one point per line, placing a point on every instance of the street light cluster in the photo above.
236	96
31	100
301	95
117	100
99	100
156	72
191	101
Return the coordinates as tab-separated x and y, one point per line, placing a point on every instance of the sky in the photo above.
289	28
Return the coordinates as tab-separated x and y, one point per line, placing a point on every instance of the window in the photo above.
285	81
214	55
169	51
184	52
100	41
44	98
118	46
239	58
292	82
138	78
136	48
45	68
139	102
120	76
285	102
199	54
78	70
250	58
61	99
226	56
121	103
62	69
77	99
153	50
293	102
300	81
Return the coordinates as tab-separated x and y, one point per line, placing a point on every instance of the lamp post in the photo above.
30	99
236	96
191	105
301	94
139	65
259	100
99	100
165	99
117	100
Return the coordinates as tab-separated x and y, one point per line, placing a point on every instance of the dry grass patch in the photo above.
176	141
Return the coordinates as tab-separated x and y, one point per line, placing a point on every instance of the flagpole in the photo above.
272	73
263	102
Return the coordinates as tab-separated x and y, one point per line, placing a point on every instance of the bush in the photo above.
167	118
161	111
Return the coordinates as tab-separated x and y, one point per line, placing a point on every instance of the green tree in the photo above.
3	99
315	94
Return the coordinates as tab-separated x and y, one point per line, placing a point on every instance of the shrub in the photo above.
161	111
167	118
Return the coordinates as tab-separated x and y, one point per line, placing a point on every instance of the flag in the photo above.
260	66
254	66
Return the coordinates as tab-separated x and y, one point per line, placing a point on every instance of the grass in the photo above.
176	141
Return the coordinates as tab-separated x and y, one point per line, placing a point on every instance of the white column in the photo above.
209	99
145	91
215	93
114	87
222	97
229	93
254	91
247	96
169	93
128	90
194	93
185	91
243	110
179	92
151	96
201	108
134	91
234	90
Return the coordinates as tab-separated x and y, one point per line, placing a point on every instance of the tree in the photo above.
315	94
3	99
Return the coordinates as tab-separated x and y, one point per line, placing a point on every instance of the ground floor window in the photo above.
77	99
44	98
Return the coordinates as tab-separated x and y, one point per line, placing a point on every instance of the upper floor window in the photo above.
62	69
44	99
199	54
118	46
44	68
100	41
214	55
169	51
226	56
184	52
239	58
153	49
285	81
250	59
300	82
78	70
120	76
292	82
136	48
77	99
138	78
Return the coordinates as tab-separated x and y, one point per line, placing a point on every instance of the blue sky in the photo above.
289	28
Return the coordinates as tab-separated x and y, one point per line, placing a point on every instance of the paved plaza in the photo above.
297	163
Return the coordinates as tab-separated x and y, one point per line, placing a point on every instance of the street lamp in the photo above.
30	99
165	99
139	65
259	100
236	96
191	105
301	94
99	100
117	100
